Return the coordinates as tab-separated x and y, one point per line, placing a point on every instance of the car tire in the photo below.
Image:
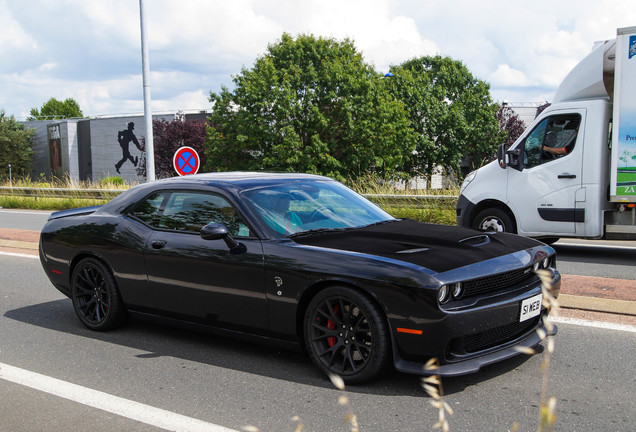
95	296
494	219
346	334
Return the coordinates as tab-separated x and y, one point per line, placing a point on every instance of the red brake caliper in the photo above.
331	326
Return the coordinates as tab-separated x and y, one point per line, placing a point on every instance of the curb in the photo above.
17	244
622	307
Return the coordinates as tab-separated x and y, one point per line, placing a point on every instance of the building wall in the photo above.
107	155
527	111
72	164
40	165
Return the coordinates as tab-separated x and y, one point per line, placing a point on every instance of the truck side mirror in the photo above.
501	156
515	158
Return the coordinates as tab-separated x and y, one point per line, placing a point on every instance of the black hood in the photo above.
437	247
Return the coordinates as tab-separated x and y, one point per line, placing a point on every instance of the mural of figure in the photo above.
125	137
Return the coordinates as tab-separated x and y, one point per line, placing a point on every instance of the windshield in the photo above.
297	207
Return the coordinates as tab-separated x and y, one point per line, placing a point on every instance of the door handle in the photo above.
158	244
567	176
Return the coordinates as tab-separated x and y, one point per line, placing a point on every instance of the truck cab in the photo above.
556	179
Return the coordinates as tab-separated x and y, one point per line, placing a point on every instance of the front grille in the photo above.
490	338
496	282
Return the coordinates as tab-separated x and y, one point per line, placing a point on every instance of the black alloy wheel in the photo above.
96	299
346	334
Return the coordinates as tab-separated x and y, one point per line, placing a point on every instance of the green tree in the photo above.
16	147
309	105
54	109
510	123
451	112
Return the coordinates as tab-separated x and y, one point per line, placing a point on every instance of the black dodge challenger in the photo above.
301	261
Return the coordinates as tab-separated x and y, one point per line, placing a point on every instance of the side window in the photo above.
551	139
149	211
191	211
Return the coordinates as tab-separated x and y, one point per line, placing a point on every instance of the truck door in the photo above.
543	193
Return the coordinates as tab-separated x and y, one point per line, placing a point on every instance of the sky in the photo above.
90	50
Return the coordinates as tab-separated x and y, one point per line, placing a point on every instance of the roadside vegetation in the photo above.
57	194
408	203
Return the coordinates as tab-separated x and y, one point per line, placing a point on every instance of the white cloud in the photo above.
505	76
90	50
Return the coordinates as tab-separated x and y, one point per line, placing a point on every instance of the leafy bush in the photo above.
16	147
111	181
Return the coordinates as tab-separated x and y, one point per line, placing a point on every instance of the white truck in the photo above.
572	173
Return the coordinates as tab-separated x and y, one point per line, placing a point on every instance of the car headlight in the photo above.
457	289
443	294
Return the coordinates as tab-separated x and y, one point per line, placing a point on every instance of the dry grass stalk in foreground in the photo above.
433	386
547	411
350	417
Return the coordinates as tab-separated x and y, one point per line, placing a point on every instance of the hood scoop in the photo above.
478	240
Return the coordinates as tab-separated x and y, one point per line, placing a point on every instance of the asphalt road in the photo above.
233	384
597	258
210	383
23	219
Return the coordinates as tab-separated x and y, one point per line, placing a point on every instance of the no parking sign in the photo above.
186	161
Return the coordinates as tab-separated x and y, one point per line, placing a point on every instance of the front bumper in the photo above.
472	365
464	209
481	331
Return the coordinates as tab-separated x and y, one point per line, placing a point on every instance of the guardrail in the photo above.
107	194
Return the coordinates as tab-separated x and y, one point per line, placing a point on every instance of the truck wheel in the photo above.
548	240
494	219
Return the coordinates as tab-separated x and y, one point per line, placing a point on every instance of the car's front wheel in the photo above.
96	299
346	334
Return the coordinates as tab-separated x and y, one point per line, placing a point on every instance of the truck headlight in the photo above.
469	178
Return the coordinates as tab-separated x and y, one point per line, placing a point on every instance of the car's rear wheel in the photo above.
96	299
346	334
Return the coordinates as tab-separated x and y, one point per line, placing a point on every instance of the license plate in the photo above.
531	307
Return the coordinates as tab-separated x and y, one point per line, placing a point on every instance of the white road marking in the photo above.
19	255
600	245
147	414
42	212
597	324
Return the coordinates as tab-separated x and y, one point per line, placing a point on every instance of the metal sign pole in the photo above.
150	150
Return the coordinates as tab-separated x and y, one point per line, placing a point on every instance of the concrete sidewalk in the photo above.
594	294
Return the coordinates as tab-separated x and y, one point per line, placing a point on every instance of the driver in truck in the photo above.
560	140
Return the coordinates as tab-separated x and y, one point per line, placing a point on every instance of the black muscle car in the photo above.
305	262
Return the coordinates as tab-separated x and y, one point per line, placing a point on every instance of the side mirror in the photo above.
216	231
515	158
501	156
